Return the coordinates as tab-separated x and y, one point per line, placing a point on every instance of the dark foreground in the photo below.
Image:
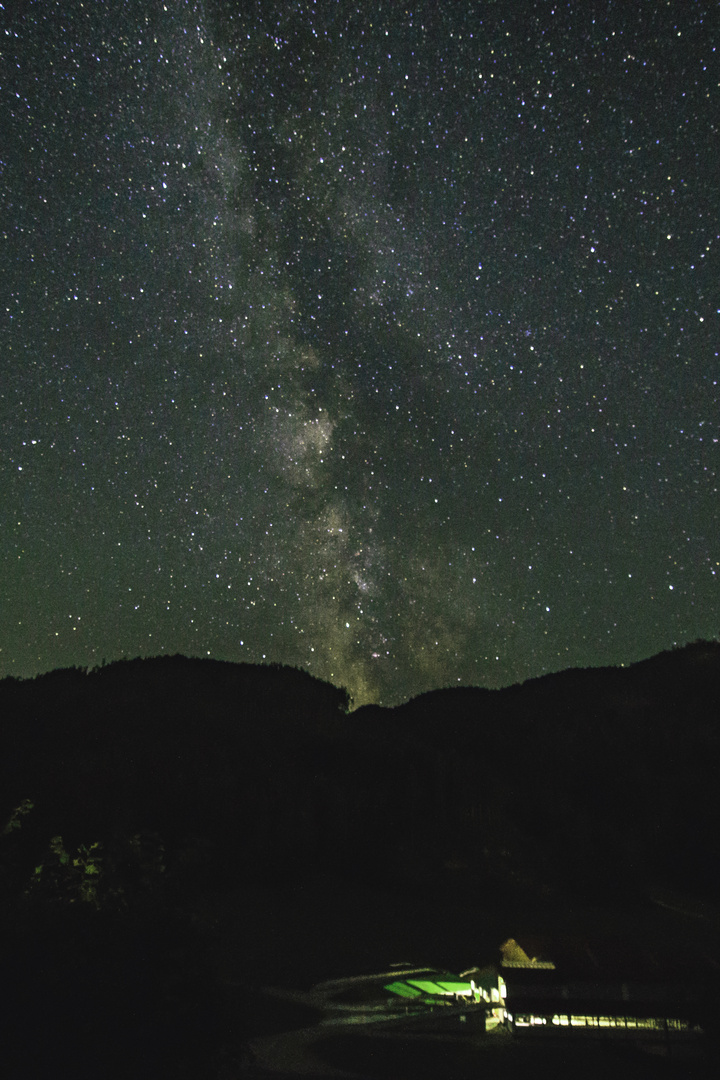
429	1058
181	994
178	835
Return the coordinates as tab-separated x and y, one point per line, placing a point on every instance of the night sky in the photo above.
375	339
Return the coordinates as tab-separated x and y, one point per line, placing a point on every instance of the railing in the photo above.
671	1027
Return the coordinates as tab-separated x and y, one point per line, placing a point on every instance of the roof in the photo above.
514	956
586	957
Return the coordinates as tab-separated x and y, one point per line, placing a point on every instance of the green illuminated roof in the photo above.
426	986
442	986
403	990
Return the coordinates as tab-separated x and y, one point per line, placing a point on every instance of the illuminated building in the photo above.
422	999
545	1001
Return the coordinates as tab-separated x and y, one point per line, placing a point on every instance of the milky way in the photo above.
383	343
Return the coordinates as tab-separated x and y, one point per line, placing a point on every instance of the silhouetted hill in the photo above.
169	745
607	769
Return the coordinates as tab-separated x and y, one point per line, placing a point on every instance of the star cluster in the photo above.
381	342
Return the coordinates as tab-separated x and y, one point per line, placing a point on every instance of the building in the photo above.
545	1000
415	998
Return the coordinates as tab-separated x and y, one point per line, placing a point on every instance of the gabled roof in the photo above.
514	956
